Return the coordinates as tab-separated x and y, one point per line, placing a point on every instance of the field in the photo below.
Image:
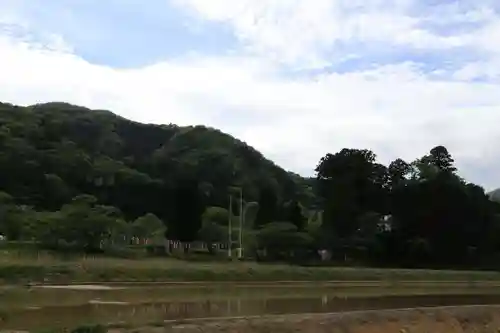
172	295
22	268
463	319
134	307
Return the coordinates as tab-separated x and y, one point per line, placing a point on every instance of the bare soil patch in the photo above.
465	319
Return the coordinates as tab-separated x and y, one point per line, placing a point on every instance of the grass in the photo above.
17	268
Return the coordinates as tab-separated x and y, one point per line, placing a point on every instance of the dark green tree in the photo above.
441	158
282	240
148	226
212	233
350	184
294	215
439	210
398	172
186	211
268	207
82	225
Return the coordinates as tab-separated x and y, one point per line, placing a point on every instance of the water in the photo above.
37	308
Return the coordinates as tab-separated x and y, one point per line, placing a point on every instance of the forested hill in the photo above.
54	151
495	195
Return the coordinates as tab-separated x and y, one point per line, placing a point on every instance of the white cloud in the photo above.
304	33
396	110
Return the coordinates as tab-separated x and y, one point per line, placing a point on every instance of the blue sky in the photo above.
295	78
126	33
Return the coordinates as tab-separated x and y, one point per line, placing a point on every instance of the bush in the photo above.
124	252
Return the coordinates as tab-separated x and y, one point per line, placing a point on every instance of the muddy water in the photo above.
28	309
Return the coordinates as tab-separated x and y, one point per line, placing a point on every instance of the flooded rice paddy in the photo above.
30	308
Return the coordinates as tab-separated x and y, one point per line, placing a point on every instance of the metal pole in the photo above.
240	252
229	225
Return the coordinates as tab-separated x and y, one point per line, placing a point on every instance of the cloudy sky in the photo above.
293	78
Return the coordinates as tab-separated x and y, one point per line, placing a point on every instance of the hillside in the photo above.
52	152
65	169
495	195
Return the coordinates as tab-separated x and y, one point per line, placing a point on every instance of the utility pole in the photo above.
240	252
229	226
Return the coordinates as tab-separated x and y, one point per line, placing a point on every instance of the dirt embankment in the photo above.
469	319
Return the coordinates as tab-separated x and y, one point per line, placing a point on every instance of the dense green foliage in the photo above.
51	153
419	213
73	178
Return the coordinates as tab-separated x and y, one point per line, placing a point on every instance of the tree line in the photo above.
413	214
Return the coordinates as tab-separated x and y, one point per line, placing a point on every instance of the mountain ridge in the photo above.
79	150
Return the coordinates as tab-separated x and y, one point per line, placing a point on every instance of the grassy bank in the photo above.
46	268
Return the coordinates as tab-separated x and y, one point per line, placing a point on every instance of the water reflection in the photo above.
52	317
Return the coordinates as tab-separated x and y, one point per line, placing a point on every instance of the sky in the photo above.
295	79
